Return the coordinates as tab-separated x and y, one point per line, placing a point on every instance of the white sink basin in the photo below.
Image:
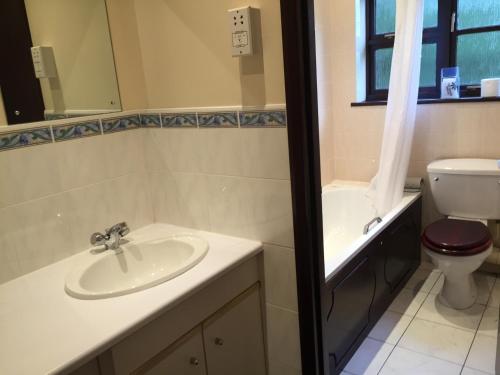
136	266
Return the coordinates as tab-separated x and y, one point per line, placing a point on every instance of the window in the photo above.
464	33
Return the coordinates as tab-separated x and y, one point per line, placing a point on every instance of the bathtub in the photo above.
346	211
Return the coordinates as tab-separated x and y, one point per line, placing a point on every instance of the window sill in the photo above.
429	101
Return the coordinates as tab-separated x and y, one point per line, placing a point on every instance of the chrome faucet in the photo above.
111	237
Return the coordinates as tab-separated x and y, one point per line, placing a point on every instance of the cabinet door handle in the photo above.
219	341
194	361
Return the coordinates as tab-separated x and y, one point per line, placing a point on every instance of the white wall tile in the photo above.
178	150
251	208
82	161
129	200
180	199
265	153
37	231
28	173
280	280
220	151
283	336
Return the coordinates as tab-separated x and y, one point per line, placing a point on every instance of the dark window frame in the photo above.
446	51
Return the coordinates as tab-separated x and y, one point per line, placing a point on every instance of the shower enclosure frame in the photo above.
325	306
297	20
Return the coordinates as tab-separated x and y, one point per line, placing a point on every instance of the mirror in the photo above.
60	60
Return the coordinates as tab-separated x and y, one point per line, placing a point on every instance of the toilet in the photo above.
467	192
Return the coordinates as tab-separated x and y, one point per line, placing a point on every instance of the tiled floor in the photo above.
419	335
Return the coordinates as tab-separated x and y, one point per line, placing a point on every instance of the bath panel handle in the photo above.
367	227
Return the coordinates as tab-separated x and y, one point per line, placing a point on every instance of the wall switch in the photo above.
43	62
241	31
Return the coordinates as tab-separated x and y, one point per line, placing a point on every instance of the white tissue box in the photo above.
490	87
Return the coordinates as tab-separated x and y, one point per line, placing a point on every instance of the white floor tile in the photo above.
407	302
427	266
433	310
489	322
494	300
390	327
484	283
403	361
423	280
437	340
483	354
369	358
471	371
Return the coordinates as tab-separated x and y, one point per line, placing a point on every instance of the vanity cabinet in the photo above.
230	342
186	356
234	342
216	331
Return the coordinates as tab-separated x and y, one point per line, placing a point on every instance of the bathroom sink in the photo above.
134	266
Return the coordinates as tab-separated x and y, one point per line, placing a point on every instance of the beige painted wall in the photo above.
128	55
354	139
187	58
78	32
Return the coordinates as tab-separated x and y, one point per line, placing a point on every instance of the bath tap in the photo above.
111	237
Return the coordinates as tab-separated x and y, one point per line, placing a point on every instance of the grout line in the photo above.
282	308
52	134
473	339
429	355
409	324
52	195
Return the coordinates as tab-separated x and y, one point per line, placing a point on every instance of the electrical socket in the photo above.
241	31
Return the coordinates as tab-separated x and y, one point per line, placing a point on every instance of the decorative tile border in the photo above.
179	120
218	120
24	138
150	120
78	130
262	119
107	124
117	124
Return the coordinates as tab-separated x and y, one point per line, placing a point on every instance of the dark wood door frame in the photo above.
21	91
297	18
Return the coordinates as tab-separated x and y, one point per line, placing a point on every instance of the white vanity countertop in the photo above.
45	331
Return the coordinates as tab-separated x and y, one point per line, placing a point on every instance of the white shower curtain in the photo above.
388	185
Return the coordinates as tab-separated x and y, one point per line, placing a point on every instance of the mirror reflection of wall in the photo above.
84	82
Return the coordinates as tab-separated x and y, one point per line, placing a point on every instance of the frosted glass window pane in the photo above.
478	13
385	13
383	61
478	56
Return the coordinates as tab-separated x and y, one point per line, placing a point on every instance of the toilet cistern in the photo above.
111	237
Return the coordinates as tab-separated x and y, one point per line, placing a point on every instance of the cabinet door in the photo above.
402	249
349	313
90	368
185	357
234	341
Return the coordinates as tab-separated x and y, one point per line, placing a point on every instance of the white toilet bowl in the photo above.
459	288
